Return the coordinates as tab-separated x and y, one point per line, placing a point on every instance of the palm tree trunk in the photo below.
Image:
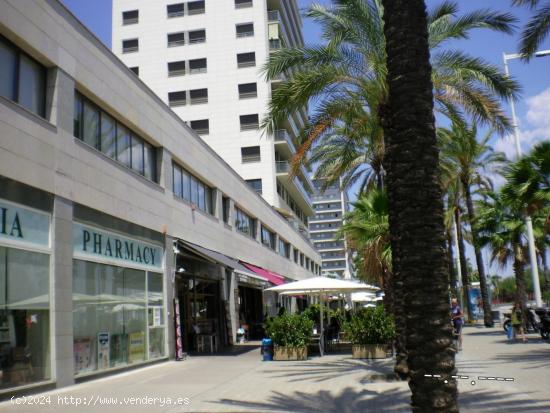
544	266
453	280
487	318
519	273
463	265
416	206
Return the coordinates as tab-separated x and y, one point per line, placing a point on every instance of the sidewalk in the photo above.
240	382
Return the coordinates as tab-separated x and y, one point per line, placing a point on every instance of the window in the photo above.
268	238
130	17
246	59
22	79
296	255
197	66
198	96
195	7
248	90
307	263
255	184
177	98
130	46
245	29
201	126
244	223
176	68
225	209
250	154
197	36
192	189
101	131
176	39
174	10
135	69
241	4
284	248
249	122
301	259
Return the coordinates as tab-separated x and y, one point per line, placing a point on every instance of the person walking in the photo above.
457	318
517	321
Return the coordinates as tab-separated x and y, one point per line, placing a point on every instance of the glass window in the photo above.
195	7
245	30
137	154
197	65
130	45
8	77
248	90
149	162
32	85
246	59
177	184
198	96
201	202
177	98
197	36
130	17
268	238
244	223
255	184
123	145
186	179
208	194
78	110
174	10
135	69
90	124
225	209
201	126
108	135
155	316
194	190
176	39
239	4
250	154
24	317
249	122
176	68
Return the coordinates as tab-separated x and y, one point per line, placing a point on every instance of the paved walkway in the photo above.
240	382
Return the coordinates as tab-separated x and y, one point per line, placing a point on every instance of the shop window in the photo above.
24	317
116	311
22	79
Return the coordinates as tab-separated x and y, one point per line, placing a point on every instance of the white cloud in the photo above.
536	124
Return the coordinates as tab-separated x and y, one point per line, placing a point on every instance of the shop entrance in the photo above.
251	312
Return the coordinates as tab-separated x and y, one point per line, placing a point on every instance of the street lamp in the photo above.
528	222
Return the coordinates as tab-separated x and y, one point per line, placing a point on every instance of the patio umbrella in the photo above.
320	286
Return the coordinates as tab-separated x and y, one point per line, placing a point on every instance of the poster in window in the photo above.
103	350
136	347
83	360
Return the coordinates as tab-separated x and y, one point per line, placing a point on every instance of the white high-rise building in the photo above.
330	207
205	59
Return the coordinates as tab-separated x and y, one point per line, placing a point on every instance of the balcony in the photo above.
273	16
275	44
282	137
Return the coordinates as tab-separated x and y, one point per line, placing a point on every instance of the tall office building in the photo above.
330	208
205	58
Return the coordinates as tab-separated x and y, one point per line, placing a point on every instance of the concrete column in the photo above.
218	208
61	291
169	287
233	307
60	99
231	212
164	169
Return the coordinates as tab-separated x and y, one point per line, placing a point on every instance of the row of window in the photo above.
181	67
196	96
202	126
327	225
104	133
172	40
178	10
283	193
187	186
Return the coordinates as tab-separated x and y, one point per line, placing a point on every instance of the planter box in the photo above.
369	351
289	353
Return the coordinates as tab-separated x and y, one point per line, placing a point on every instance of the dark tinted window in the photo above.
177	98
174	10
130	17
176	68
246	59
131	45
200	126
176	39
248	90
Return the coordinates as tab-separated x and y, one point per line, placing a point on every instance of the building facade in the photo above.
330	207
205	59
117	221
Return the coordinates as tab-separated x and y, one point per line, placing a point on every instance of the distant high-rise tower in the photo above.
204	59
330	207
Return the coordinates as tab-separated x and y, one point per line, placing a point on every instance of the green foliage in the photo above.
370	326
313	312
290	330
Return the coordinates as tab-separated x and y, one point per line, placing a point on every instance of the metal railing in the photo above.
282	135
282	167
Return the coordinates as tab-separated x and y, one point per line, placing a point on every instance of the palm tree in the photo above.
501	228
416	205
367	231
470	158
347	78
538	27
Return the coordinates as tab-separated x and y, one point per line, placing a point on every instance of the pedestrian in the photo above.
517	321
457	318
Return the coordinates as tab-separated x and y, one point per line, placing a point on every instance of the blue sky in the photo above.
533	108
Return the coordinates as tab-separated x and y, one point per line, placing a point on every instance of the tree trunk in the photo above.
519	273
545	269
463	265
487	318
416	207
453	280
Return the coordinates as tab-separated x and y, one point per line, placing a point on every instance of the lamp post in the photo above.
528	221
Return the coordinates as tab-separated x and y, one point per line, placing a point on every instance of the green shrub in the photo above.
290	330
370	326
313	312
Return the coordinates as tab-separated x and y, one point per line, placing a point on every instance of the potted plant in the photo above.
290	334
370	331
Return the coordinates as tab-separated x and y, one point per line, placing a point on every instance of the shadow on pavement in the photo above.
232	351
501	402
540	358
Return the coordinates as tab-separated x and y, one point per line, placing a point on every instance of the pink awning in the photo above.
270	276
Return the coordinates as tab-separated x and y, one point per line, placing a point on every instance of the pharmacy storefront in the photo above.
25	257
119	314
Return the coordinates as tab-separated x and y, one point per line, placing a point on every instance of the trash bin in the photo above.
267	349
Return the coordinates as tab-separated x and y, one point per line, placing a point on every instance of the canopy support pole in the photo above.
322	328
